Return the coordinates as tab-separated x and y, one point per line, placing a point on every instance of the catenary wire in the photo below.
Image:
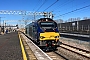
41	5
74	10
51	5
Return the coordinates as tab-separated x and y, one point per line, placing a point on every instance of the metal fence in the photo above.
82	26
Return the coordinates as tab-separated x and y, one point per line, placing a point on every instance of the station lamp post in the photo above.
0	21
0	24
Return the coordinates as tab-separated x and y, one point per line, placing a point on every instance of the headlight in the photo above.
56	36
53	41
42	37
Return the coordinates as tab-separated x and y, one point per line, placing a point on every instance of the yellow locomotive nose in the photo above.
49	36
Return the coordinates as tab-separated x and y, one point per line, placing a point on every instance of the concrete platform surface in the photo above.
10	47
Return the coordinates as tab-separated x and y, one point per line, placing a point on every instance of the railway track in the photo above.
55	56
81	52
67	52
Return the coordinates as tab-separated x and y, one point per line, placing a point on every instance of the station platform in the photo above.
76	36
79	35
10	48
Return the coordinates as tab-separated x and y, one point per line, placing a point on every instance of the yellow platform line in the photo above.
22	47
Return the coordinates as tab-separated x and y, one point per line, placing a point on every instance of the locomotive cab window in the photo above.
48	25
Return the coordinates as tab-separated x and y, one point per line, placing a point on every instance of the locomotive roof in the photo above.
44	19
41	19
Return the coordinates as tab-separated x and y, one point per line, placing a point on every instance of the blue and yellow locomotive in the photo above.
44	32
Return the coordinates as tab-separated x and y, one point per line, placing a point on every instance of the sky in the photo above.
61	9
